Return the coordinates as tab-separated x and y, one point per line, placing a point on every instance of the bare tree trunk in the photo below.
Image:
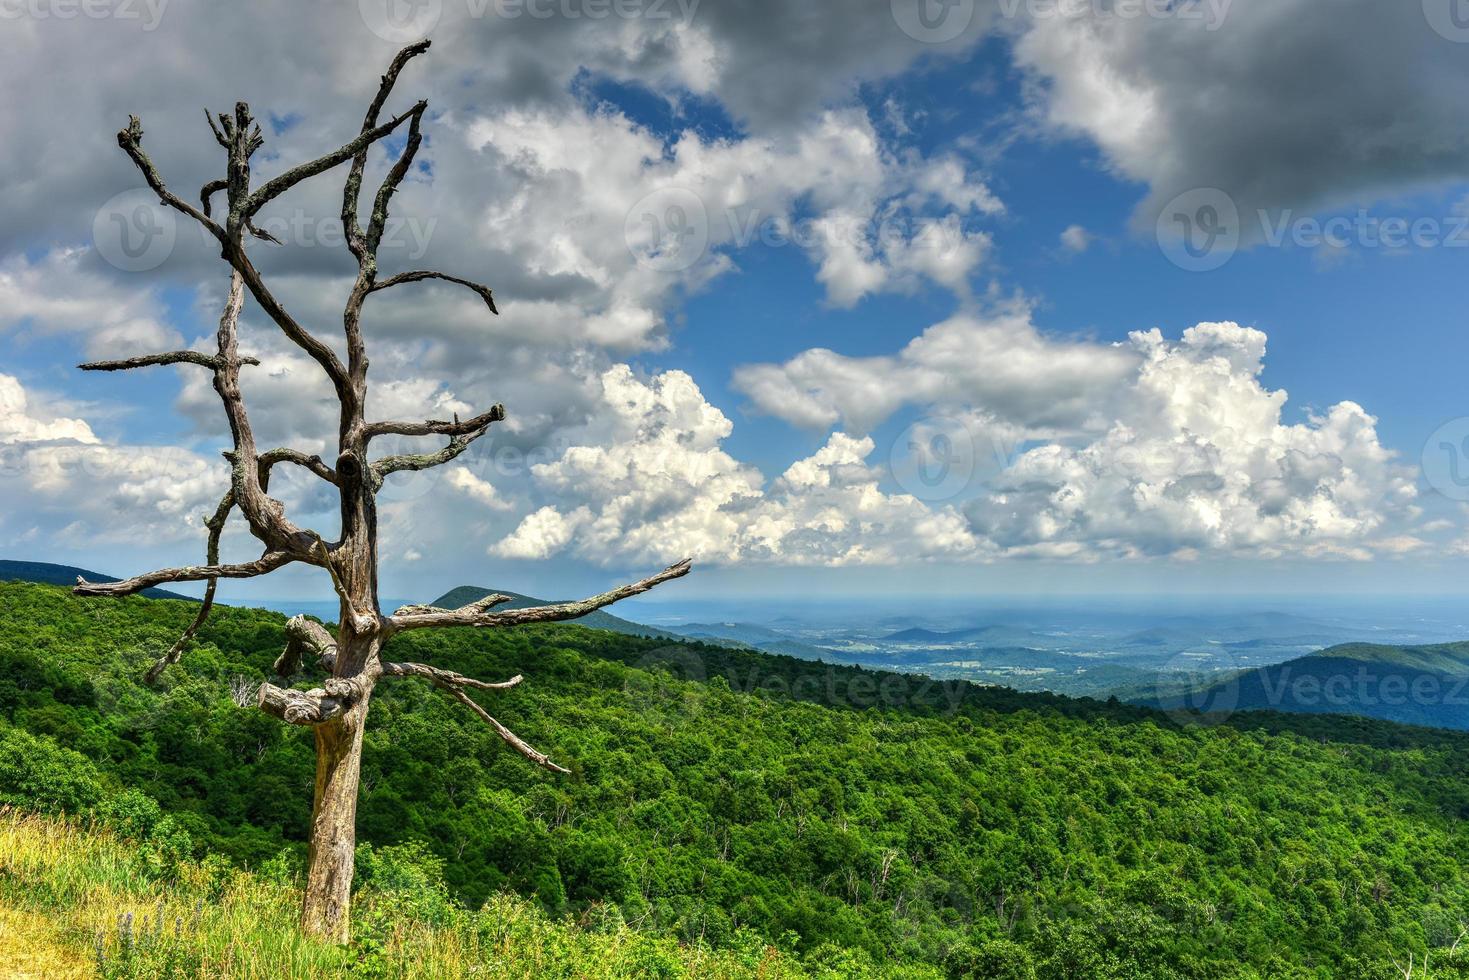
325	911
326	906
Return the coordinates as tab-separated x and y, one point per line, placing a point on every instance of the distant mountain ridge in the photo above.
48	574
1414	685
754	637
465	594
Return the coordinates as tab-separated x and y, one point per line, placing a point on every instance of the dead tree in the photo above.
352	660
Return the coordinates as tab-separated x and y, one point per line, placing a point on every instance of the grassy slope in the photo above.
76	903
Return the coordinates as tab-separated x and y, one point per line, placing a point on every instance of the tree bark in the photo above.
326	908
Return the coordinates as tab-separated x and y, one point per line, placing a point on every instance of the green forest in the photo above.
911	826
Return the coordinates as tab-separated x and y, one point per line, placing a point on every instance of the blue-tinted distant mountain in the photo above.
49	574
754	637
598	620
1414	685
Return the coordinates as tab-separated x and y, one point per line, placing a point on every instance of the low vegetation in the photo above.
80	903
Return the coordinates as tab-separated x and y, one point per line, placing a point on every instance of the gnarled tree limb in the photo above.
353	187
267	562
388	465
300	707
305	637
446	677
277	186
538	614
200	358
473	608
313	463
131	140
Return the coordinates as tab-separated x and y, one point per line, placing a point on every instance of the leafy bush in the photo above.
37	774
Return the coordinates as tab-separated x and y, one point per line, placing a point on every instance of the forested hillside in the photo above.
718	794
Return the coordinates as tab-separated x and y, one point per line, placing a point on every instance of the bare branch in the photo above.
216	528
219	137
305	637
200	358
435	427
259	233
277	186
539	614
422	461
379	220
298	334
473	608
267	562
483	292
353	187
207	192
313	463
454	684
446	678
511	739
131	140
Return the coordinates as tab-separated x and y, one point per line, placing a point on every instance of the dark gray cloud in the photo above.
1285	104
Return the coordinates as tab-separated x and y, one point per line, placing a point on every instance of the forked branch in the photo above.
389	465
454	684
306	638
439	427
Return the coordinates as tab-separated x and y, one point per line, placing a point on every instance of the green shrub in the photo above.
38	774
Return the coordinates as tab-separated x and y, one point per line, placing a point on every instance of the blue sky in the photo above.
757	408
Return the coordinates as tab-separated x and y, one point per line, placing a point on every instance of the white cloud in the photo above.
88	490
652	483
20	421
998	365
541	535
57	293
479	490
1198	460
1076	239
